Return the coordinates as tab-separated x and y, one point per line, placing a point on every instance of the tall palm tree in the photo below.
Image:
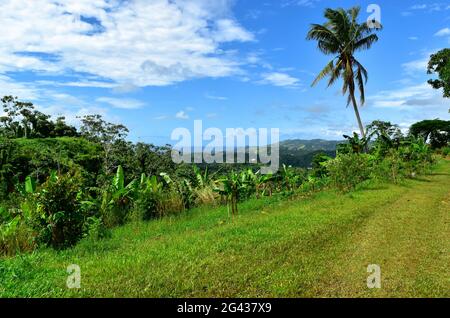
342	36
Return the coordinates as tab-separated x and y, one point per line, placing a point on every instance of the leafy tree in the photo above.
436	131
341	36
440	63
318	164
7	148
152	160
109	135
61	129
22	120
386	135
381	128
16	122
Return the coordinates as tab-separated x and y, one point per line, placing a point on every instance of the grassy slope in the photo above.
314	247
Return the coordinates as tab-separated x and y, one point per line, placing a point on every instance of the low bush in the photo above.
147	206
348	170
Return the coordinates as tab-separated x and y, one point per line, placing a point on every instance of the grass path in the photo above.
315	247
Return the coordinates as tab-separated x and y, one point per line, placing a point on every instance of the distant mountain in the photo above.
300	153
309	145
296	153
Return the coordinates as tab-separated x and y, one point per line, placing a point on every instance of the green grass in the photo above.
306	247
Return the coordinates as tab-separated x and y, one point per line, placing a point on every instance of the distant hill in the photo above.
296	152
309	145
299	153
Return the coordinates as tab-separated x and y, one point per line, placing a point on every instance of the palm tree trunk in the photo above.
358	118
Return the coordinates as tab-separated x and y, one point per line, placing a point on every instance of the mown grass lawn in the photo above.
305	247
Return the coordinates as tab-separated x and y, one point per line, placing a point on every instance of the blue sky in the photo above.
156	65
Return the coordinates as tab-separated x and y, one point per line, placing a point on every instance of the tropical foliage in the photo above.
440	64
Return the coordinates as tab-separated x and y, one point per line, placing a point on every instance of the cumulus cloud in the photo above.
409	96
279	79
137	42
443	32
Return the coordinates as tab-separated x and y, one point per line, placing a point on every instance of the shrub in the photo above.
319	169
171	202
15	234
348	170
390	168
57	215
147	205
95	229
205	196
445	151
417	156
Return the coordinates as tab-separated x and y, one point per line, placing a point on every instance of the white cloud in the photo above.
443	32
228	31
301	3
413	38
181	115
137	42
416	66
410	96
215	97
280	79
436	6
26	92
123	103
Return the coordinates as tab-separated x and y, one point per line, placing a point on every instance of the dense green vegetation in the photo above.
57	190
316	245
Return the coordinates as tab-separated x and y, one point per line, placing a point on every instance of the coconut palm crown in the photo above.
341	35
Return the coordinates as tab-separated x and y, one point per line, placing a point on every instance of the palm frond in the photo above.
336	73
366	42
360	81
363	70
327	70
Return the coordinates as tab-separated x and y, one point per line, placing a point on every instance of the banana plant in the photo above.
28	187
118	196
264	184
9	228
355	144
260	184
203	179
151	184
230	187
289	179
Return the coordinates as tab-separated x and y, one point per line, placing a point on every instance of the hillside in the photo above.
318	246
309	145
300	153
